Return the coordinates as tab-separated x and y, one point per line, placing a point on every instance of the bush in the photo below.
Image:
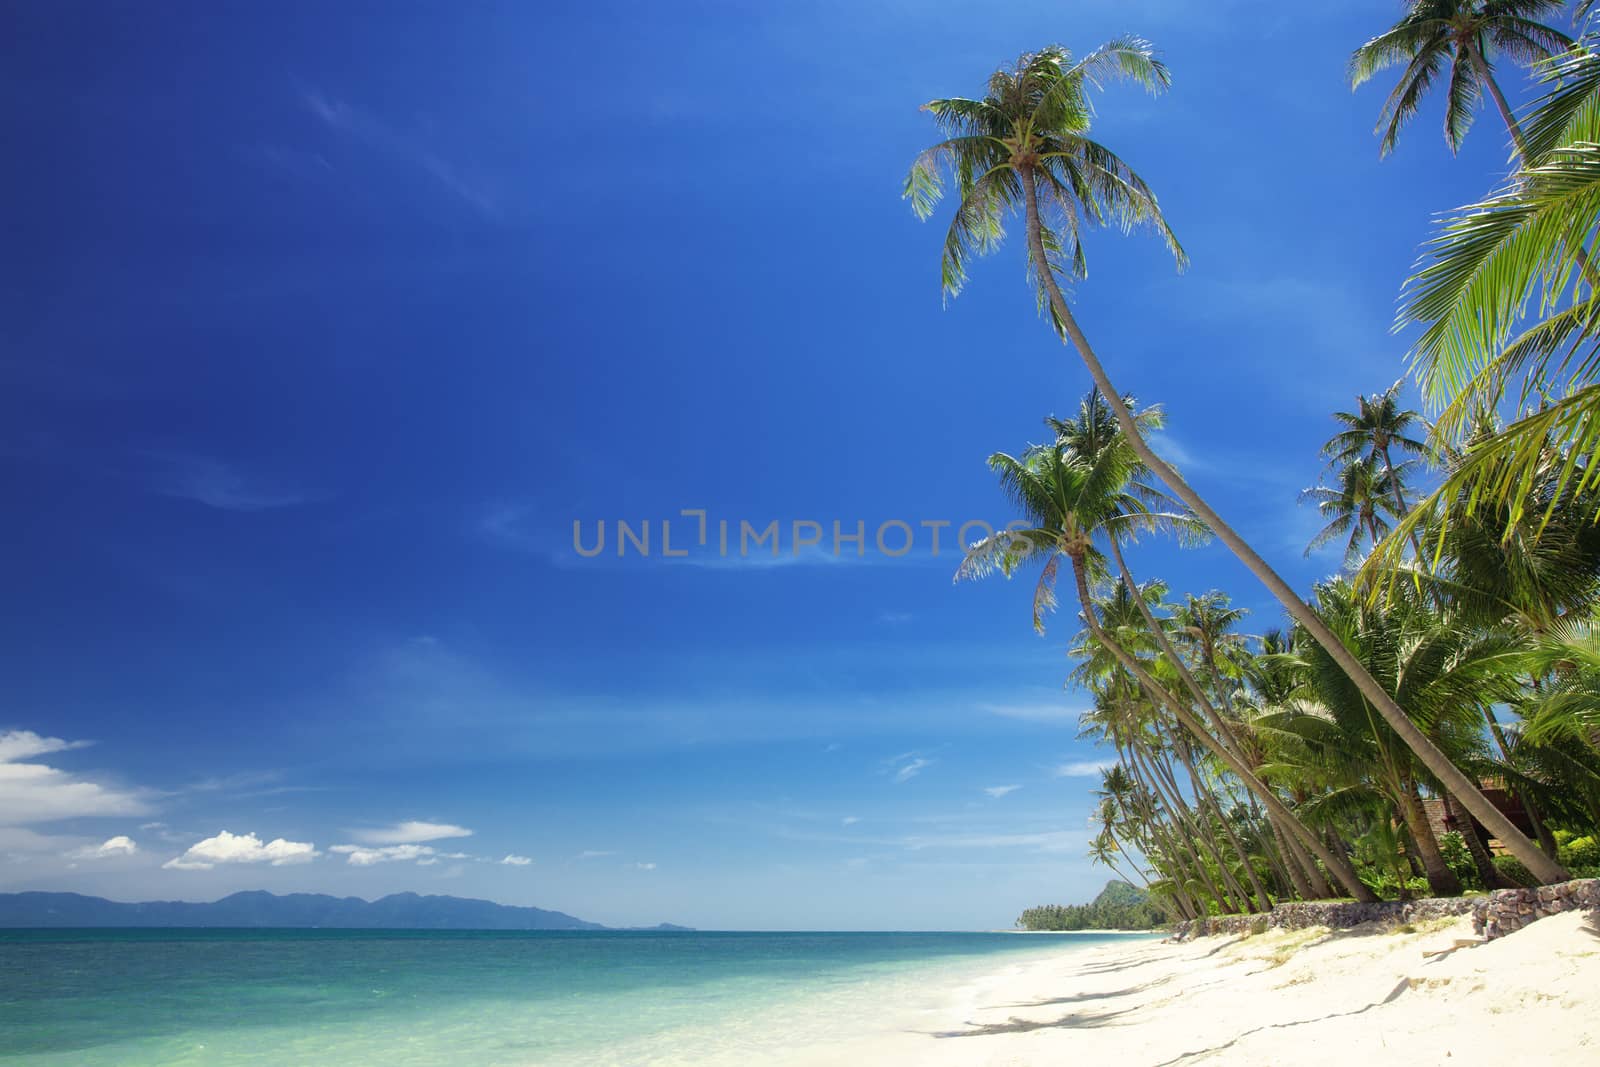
1513	869
1585	872
1453	847
1578	852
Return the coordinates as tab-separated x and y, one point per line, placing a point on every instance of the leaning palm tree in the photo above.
1460	36
1072	500
1025	146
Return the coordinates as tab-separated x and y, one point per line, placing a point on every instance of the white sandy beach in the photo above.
1307	997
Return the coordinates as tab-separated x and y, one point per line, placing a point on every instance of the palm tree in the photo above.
1378	428
1481	272
1456	35
1447	674
1025	146
1071	499
1359	506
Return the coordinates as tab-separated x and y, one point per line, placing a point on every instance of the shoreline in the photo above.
1433	994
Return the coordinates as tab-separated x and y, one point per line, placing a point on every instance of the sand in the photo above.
1302	998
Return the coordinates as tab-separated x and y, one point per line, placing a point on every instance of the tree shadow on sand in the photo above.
1079	998
1071	1021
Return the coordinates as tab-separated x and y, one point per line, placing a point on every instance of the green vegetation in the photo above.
1451	673
1119	906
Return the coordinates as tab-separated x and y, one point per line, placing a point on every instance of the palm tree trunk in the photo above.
1291	864
1400	503
1488	873
1192	833
1209	803
1200	698
1442	881
1185	837
1547	842
1449	775
1225	741
1339	867
1506	115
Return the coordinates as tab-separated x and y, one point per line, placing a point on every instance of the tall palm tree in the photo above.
1380	427
1025	146
1071	499
1460	36
1358	506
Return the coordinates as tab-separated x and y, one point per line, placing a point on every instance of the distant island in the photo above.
1119	906
399	911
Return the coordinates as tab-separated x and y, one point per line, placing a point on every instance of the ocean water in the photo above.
220	998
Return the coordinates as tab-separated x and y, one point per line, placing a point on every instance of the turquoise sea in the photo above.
333	998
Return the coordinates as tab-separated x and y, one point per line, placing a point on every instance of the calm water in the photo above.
334	998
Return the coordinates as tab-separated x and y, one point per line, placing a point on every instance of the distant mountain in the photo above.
401	911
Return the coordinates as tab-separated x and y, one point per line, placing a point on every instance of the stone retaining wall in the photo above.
1300	914
1509	910
1493	914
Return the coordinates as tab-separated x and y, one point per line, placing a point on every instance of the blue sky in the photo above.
323	327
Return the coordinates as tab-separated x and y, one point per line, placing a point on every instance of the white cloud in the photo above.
911	770
516	861
242	848
645	866
21	744
34	792
594	853
121	845
906	767
1050	841
362	856
1084	768
998	791
409	833
1045	712
850	820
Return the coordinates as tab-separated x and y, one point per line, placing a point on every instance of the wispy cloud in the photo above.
644	866
849	820
23	744
998	791
409	833
595	853
219	485
242	848
907	766
1062	714
516	861
407	148
1083	768
363	856
1050	841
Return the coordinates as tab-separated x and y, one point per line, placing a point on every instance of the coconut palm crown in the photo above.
1035	119
1458	37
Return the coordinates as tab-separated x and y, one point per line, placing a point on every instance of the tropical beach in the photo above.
766	533
1433	995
